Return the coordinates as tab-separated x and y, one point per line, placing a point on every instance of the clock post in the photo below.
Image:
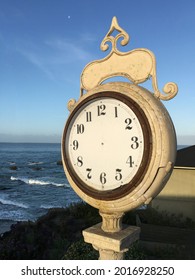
119	142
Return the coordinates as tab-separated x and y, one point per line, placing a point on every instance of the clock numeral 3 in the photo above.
135	144
79	161
103	178
101	110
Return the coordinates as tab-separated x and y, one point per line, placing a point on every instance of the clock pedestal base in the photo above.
111	246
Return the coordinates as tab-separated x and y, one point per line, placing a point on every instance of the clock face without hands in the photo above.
107	145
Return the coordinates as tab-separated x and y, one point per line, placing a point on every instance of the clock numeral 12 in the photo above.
101	110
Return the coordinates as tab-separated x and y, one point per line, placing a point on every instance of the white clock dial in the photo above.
105	143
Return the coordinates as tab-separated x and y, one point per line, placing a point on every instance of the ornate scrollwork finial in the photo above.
137	65
170	89
71	104
109	38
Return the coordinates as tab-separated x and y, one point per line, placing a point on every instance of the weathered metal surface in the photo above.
137	65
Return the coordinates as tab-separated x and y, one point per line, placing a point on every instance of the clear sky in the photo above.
45	44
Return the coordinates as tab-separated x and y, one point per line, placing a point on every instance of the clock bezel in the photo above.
125	189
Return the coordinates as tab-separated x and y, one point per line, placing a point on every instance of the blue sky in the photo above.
45	44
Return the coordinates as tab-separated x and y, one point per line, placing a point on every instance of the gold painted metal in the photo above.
137	65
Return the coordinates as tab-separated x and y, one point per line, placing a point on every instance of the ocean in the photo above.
31	182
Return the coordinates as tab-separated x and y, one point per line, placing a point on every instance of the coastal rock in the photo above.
50	236
36	168
13	167
58	235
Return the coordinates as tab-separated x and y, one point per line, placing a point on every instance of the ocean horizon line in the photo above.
8	142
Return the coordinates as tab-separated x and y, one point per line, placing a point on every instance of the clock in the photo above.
107	145
110	146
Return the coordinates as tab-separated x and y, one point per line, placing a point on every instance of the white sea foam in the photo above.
11	202
35	163
46	206
35	181
15	215
11	162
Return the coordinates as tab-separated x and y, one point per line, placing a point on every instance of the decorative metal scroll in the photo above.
137	65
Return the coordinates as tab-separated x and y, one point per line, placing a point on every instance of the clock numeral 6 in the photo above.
103	178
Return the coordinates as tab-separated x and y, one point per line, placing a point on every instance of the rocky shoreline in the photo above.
58	235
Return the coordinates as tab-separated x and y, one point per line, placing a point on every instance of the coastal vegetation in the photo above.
58	235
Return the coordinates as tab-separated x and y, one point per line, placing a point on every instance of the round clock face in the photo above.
107	145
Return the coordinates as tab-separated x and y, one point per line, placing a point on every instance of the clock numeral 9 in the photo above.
75	145
118	176
103	178
135	144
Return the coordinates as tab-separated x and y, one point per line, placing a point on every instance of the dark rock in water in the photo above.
13	167
36	168
59	162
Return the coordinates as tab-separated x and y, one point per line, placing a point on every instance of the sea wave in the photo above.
10	202
15	215
49	206
11	162
35	163
36	181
